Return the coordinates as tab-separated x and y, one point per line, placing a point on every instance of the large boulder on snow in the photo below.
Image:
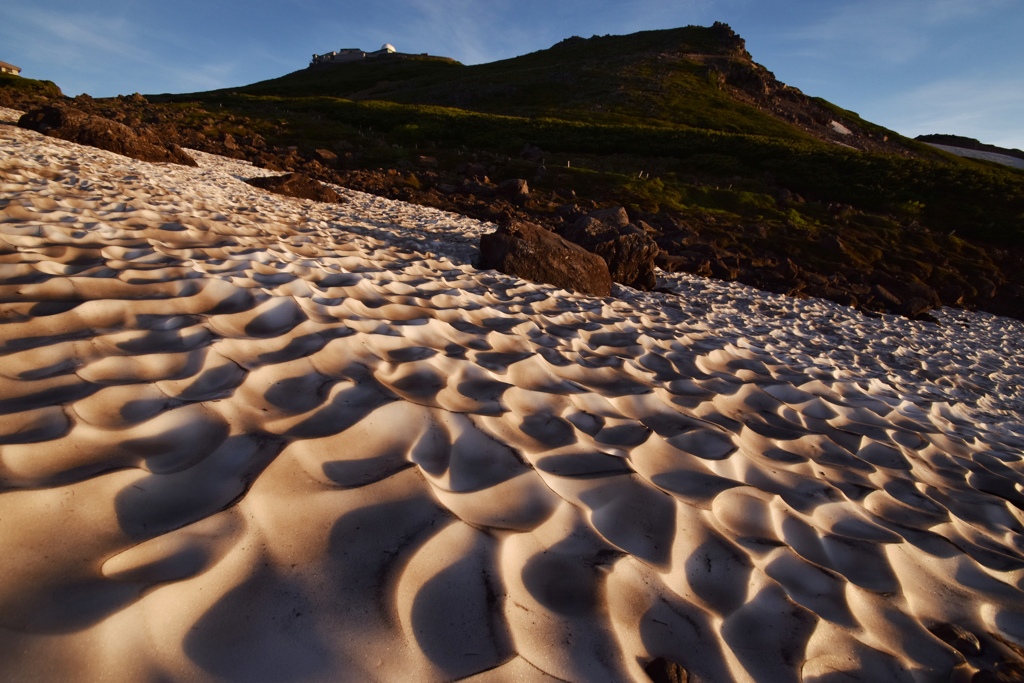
533	253
299	186
628	250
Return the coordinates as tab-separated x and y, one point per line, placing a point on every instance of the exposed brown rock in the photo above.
326	157
627	249
73	125
299	186
533	253
661	670
514	188
615	216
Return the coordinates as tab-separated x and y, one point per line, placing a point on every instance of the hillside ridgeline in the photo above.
731	173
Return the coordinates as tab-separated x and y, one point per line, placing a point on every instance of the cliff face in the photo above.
733	70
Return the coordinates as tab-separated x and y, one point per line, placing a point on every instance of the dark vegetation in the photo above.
22	93
732	173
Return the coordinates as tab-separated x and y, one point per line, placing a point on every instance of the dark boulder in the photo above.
326	157
957	637
475	187
662	670
532	153
628	250
476	171
684	261
616	216
299	186
907	296
73	125
533	253
514	188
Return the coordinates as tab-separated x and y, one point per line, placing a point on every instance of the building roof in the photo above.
5	65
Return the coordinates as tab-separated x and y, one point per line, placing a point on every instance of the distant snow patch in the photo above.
840	128
1004	159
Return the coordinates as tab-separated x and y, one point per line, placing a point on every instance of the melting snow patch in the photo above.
840	128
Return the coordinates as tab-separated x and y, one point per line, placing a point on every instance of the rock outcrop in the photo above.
627	249
68	123
299	186
533	253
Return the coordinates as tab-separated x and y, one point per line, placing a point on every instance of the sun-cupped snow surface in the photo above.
246	437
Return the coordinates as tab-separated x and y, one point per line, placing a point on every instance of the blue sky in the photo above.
916	66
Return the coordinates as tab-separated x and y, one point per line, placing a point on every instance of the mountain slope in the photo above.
731	172
694	77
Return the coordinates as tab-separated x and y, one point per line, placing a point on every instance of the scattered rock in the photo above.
889	299
1003	672
725	269
514	188
533	253
907	296
615	217
475	187
627	250
298	185
73	125
684	262
477	171
533	153
326	157
661	670
958	638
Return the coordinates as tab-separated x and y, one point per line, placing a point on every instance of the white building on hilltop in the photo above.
6	68
351	54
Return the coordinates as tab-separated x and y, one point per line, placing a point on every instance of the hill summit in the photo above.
679	134
701	77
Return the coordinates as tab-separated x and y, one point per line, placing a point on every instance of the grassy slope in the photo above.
643	78
617	105
20	92
945	194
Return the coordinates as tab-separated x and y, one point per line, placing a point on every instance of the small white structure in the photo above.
346	54
6	68
351	54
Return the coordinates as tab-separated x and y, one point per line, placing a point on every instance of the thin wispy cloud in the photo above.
78	35
93	44
879	31
894	32
986	108
944	11
468	30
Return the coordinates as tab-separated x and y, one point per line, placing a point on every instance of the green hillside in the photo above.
722	162
670	78
20	92
673	103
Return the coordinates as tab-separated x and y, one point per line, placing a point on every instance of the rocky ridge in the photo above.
854	268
